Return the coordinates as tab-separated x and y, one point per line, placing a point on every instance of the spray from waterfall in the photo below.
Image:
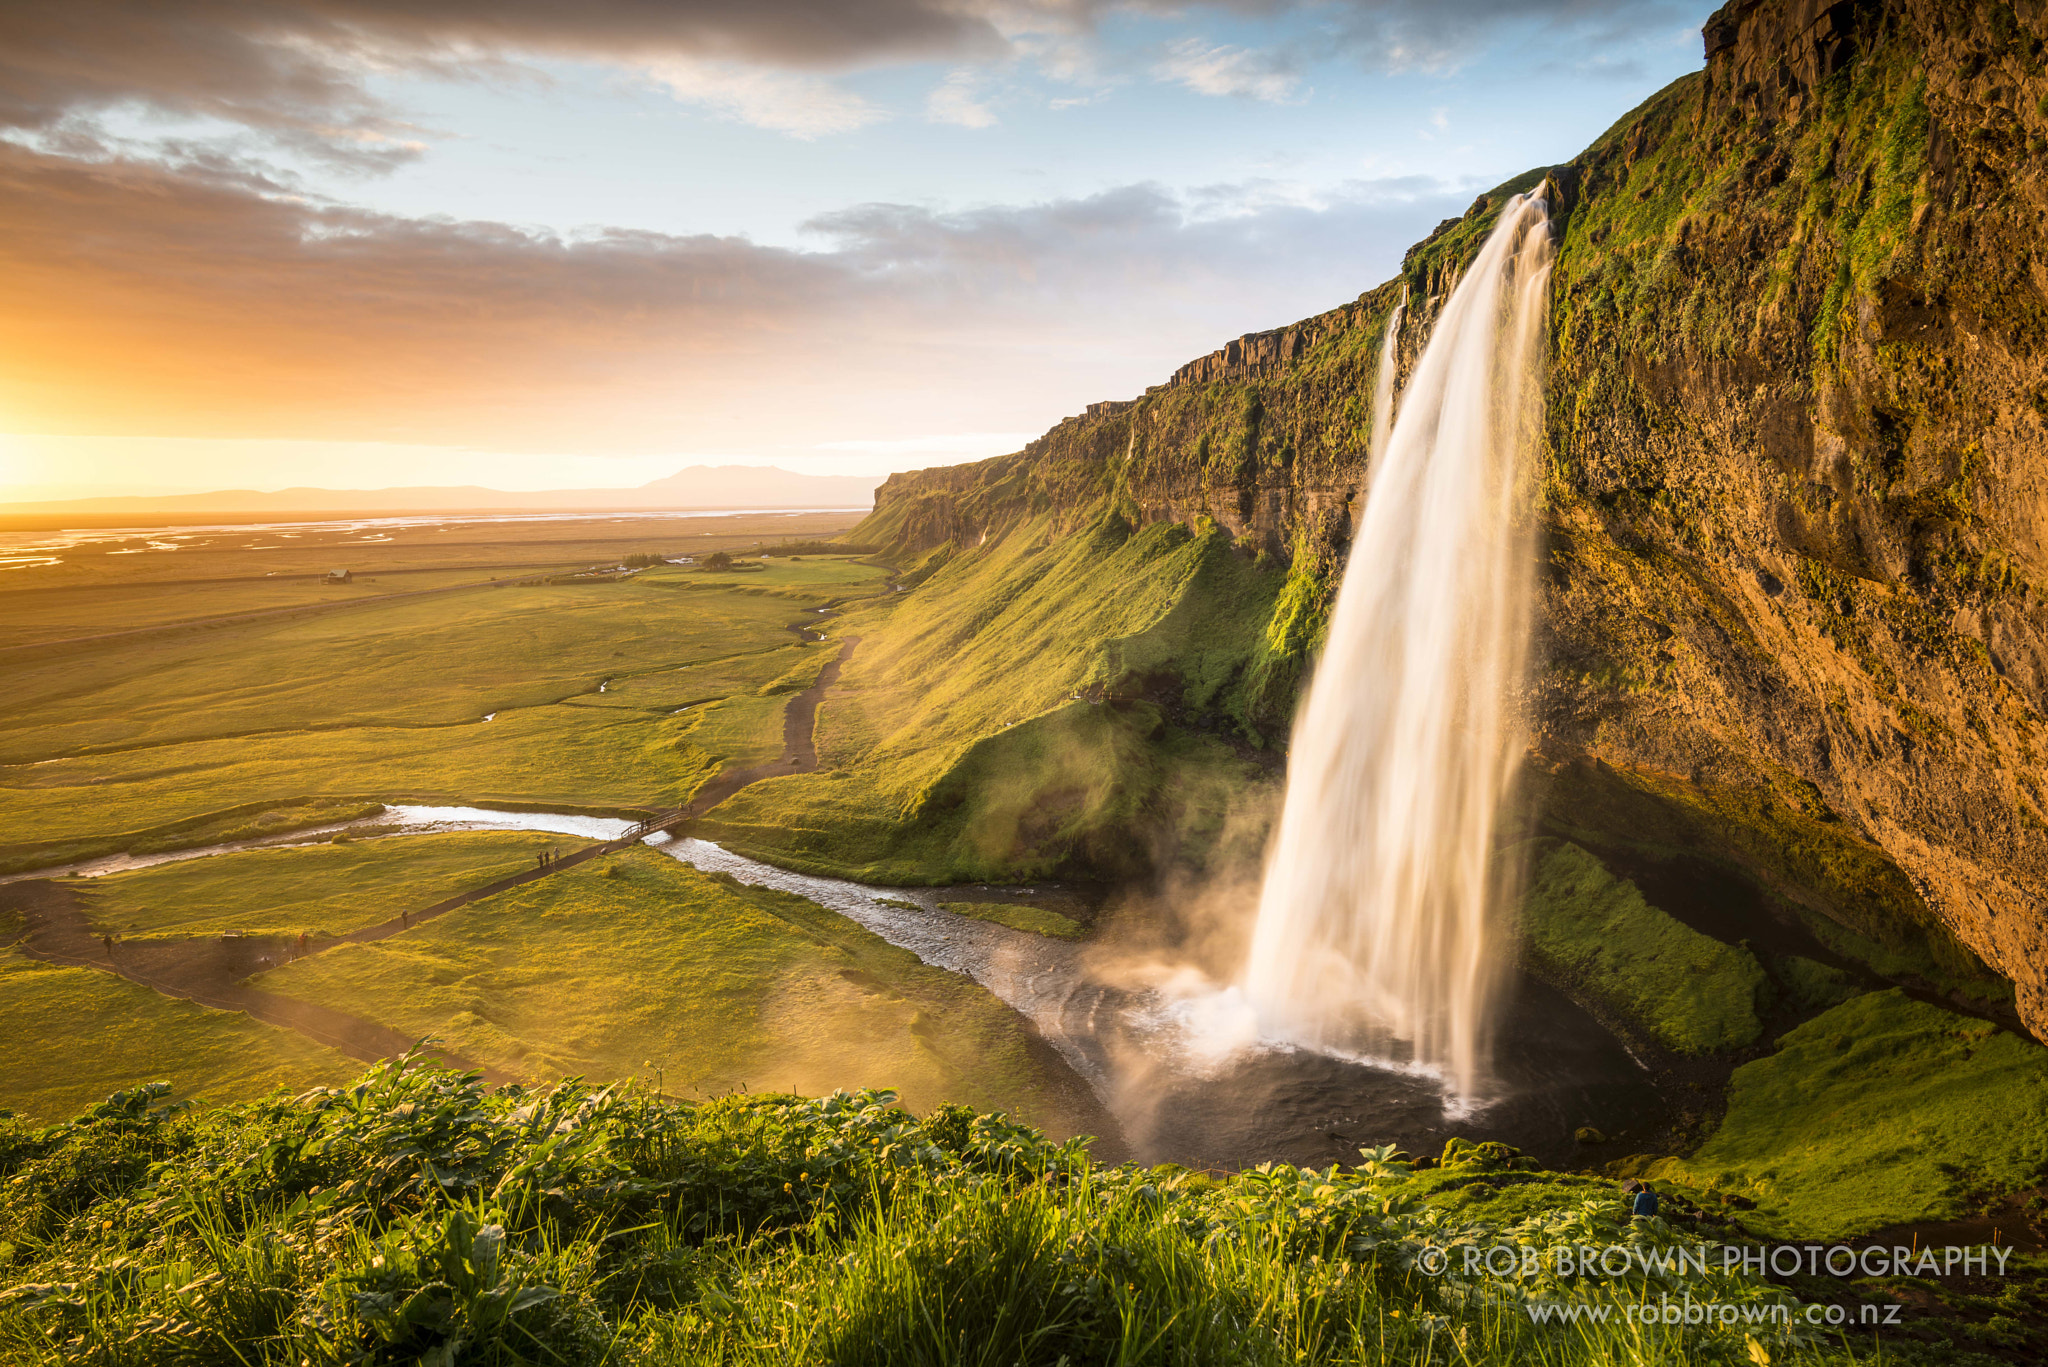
1379	927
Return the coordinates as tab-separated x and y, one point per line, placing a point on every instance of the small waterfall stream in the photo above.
1378	935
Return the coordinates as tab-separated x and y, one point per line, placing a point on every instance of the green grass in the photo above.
1594	934
140	748
250	821
413	1217
1003	719
27	617
1882	1111
607	966
815	577
1020	916
1779	832
564	757
76	1034
314	889
440	661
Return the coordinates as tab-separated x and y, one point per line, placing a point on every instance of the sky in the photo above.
534	244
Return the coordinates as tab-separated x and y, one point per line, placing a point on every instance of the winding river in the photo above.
1173	1101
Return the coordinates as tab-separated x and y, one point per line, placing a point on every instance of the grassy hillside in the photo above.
1032	703
415	1218
1879	1112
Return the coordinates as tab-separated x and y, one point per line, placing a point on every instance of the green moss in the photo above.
1811	984
1779	832
1594	933
1020	916
1882	1111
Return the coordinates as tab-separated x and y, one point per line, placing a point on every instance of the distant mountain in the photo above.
700	486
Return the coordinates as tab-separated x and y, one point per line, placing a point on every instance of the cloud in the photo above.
161	277
1442	35
202	302
955	101
803	106
1208	70
298	71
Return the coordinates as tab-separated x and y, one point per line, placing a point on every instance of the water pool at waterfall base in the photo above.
1555	1070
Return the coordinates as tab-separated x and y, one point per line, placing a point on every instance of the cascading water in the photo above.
1377	931
1383	388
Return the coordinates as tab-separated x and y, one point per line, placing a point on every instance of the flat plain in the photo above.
572	690
534	676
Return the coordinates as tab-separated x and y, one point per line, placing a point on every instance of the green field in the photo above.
807	575
33	617
394	555
613	696
585	683
319	889
638	960
76	1035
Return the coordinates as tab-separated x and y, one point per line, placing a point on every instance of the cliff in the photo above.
1793	490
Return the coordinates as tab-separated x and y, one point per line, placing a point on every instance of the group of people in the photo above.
544	858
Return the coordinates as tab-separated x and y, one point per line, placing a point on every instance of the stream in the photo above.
1175	1101
392	821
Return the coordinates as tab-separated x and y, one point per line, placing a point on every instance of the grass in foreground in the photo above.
1881	1111
604	967
75	1035
314	889
413	1217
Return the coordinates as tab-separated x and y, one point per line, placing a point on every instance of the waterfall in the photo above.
1377	931
1383	388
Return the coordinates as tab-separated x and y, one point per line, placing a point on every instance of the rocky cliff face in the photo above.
1795	484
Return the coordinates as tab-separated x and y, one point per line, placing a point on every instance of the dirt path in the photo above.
211	972
215	972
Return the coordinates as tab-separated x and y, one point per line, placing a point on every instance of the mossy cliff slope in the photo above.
1795	486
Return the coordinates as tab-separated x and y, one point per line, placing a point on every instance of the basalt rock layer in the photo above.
1794	478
